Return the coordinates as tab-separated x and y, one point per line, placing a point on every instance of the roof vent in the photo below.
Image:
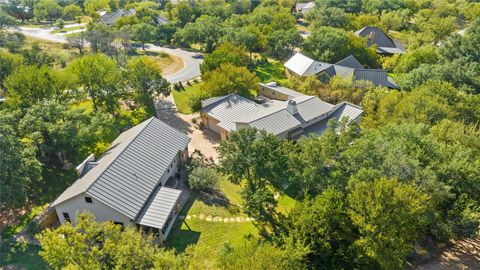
86	165
292	107
272	84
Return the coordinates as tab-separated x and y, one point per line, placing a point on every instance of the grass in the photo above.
55	49
68	29
182	98
271	71
22	256
211	234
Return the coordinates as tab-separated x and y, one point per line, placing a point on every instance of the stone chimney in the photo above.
292	107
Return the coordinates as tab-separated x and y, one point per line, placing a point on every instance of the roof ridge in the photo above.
120	153
278	110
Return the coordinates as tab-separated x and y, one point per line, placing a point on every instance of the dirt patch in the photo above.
463	254
169	63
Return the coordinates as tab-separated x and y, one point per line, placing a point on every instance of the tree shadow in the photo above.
217	198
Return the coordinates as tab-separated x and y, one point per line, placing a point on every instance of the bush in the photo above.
203	178
195	102
197	159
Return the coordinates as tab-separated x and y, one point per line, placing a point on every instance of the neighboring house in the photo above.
304	8
303	66
283	112
385	44
127	184
111	18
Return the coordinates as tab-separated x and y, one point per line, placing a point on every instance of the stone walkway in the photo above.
217	219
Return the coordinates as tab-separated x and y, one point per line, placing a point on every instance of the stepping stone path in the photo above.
218	219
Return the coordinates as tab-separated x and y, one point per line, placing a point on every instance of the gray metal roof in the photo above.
281	89
303	65
384	43
348	67
127	174
349	61
340	111
227	109
111	18
156	212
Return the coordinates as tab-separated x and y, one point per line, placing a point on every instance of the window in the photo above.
171	165
88	200
66	216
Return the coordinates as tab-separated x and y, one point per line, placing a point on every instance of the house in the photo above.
281	111
385	44
304	8
129	183
111	18
302	66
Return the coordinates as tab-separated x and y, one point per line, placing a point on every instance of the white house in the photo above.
127	184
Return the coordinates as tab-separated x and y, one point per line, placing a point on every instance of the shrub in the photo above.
203	178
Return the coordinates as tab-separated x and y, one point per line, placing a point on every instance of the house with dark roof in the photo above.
111	18
283	112
385	44
303	66
133	182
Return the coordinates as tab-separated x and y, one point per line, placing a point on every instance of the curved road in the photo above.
191	60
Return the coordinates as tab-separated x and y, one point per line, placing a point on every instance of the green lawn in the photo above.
271	71
182	98
22	256
223	203
67	29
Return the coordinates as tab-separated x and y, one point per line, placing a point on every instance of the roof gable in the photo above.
349	61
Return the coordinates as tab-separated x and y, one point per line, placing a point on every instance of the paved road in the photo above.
191	60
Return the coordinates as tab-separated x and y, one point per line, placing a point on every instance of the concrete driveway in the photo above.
191	60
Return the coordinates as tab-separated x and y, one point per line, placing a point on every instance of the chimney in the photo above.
86	165
292	107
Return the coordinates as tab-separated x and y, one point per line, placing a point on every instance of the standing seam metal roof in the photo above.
157	211
127	174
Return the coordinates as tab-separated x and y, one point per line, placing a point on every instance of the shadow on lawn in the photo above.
179	238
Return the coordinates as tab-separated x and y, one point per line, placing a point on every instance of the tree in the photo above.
71	12
19	167
203	178
80	246
62	135
282	43
331	45
100	36
47	10
206	31
389	216
323	226
60	24
258	158
182	14
353	6
29	85
144	33
228	79
249	37
78	41
101	79
145	78
8	63
225	53
6	21
93	6
334	17
125	35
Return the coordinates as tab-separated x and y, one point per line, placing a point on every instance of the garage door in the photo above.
213	125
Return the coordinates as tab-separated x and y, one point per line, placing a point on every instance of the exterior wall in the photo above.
273	94
172	169
210	123
223	134
77	205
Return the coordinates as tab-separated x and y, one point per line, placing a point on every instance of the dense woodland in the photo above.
369	196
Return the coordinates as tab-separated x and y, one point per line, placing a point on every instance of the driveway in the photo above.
203	140
191	60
